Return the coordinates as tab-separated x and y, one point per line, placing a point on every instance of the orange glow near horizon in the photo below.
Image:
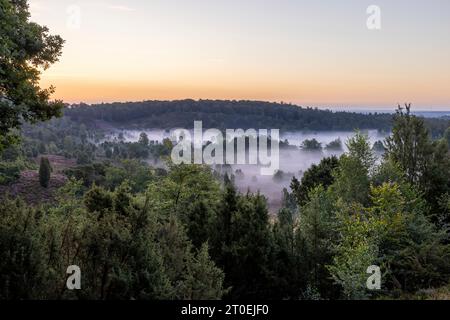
299	52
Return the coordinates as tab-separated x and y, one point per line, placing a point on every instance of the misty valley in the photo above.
294	158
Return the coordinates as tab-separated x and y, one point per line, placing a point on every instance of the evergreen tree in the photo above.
205	279
409	145
424	162
98	200
45	171
321	174
200	224
143	139
317	229
23	263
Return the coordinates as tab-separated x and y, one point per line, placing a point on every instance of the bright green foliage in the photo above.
356	250
412	249
394	234
351	180
359	148
350	265
352	177
179	192
25	48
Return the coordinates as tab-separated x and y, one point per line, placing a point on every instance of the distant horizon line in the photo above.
341	108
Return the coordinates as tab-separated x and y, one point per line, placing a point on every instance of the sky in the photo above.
310	53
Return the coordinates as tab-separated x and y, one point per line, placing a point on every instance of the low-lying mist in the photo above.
294	160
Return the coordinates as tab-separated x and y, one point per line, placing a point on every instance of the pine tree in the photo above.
426	163
143	139
317	230
44	172
410	145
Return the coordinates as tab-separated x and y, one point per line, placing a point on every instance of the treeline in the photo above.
233	114
75	140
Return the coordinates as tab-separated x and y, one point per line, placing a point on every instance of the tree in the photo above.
378	146
311	145
335	145
242	243
222	241
359	148
320	174
317	229
279	176
387	171
45	171
199	223
25	49
409	145
143	139
290	272
351	180
352	175
98	200
181	190
393	233
425	163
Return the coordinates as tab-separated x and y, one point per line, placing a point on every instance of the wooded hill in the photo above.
233	114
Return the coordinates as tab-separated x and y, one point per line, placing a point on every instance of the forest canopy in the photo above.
223	114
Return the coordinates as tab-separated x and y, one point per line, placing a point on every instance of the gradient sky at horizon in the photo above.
312	53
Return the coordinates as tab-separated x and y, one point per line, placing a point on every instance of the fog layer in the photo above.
293	160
